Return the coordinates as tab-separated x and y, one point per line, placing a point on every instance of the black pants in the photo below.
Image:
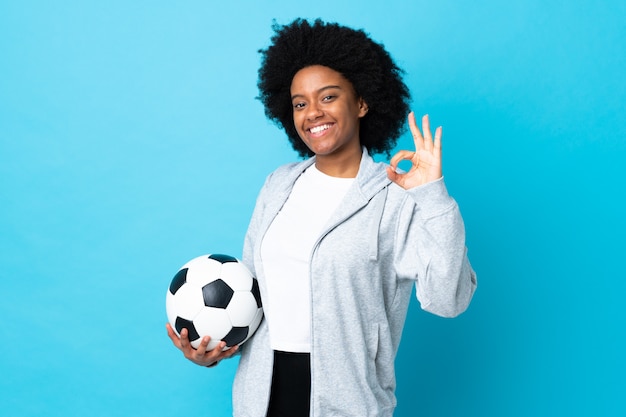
291	385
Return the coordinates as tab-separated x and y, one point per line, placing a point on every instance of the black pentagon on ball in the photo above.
236	336
217	294
256	292
222	258
179	279
182	323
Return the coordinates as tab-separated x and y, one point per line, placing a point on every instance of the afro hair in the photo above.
365	63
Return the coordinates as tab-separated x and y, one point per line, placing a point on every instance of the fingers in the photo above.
230	352
220	352
400	156
424	139
418	139
428	137
393	175
437	144
185	344
392	169
189	351
200	355
202	347
172	335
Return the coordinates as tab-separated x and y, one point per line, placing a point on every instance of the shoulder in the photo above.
285	175
372	177
286	169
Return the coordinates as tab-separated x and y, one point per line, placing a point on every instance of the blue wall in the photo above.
130	142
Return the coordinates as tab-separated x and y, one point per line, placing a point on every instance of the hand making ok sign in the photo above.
425	160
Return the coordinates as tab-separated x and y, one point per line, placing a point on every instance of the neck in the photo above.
341	166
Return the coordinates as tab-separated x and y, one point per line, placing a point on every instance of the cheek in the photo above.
297	121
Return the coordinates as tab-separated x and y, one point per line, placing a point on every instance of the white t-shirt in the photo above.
286	253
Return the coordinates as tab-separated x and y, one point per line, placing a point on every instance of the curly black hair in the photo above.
365	63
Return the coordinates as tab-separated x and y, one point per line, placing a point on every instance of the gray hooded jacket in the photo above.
380	242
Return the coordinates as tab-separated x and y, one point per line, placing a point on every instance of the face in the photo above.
326	111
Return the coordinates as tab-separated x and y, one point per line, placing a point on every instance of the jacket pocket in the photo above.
372	341
380	369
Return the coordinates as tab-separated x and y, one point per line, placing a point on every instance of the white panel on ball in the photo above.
188	301
237	276
213	322
202	270
242	308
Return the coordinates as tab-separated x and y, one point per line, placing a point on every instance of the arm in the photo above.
431	233
431	250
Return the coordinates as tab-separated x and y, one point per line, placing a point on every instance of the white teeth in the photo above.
318	129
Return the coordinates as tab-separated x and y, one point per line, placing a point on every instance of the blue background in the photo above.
131	141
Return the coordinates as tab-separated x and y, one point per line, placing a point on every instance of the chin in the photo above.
322	151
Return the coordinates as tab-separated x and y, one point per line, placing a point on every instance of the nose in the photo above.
314	111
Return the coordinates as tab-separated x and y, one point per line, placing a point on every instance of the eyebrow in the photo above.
328	87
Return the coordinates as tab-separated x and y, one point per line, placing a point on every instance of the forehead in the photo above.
316	77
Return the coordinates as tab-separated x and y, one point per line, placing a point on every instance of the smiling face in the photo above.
327	112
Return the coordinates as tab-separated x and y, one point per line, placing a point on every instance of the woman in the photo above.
338	241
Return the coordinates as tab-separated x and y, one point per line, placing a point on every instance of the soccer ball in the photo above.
217	296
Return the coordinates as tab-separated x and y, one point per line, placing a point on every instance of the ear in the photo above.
363	107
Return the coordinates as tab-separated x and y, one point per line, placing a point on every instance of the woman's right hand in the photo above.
199	356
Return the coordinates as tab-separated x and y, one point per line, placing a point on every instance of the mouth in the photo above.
317	130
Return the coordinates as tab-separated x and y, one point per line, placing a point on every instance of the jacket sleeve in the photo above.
430	249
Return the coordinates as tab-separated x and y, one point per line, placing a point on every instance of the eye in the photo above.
328	98
298	106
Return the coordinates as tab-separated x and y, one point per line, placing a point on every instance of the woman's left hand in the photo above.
425	161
